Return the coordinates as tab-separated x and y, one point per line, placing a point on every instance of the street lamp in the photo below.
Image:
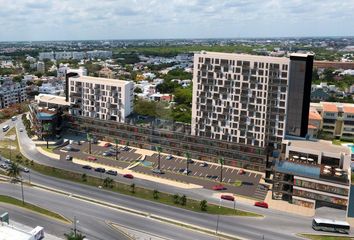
116	142
89	139
221	162
75	222
217	221
23	196
46	127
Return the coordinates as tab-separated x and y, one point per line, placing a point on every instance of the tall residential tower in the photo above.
249	99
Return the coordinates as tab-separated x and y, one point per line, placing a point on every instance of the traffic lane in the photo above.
32	219
246	189
211	171
92	216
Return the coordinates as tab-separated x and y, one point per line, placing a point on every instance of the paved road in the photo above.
276	225
93	218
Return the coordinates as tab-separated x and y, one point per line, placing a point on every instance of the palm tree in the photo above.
159	150
46	128
203	205
84	177
89	139
116	142
188	157
183	200
221	161
175	198
73	236
108	182
13	171
132	188
155	194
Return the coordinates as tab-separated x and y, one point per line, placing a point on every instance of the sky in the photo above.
31	20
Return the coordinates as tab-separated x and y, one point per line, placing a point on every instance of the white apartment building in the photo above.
101	98
243	98
11	93
46	55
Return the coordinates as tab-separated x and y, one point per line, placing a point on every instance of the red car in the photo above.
241	172
261	204
228	197
218	187
107	145
128	175
91	158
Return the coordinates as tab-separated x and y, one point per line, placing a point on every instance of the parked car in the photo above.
91	158
203	164
157	171
14	118
186	172
128	175
4	166
107	153
24	169
21	129
7	161
241	172
68	148
227	197
101	170
111	172
68	158
169	157
261	204
219	187
125	148
87	167
190	161
107	145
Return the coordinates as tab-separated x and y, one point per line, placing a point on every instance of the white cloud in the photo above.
117	19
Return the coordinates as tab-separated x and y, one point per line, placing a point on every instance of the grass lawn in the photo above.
49	149
143	193
324	237
339	142
11	132
34	208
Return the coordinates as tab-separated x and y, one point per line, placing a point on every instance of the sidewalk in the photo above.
27	229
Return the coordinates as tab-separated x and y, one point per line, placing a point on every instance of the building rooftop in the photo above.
314	115
10	233
99	80
348	109
329	107
318	145
52	99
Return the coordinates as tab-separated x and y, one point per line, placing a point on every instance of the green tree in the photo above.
108	182
14	170
132	188
84	177
175	198
183	200
203	205
155	194
73	236
138	90
183	96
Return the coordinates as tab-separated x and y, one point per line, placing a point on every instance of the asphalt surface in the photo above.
276	224
207	176
93	219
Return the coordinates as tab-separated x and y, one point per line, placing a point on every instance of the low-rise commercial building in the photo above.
47	115
312	174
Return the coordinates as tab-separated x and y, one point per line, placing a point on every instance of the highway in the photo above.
93	218
275	225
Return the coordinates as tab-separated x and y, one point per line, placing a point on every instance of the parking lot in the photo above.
234	180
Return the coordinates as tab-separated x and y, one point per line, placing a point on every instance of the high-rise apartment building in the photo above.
11	93
101	98
250	99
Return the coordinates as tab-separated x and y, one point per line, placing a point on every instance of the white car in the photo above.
68	158
21	129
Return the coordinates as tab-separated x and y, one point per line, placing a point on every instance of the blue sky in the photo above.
137	19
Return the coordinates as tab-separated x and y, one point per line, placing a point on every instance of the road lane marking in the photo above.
227	169
233	170
200	174
229	180
223	179
163	166
173	168
194	173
